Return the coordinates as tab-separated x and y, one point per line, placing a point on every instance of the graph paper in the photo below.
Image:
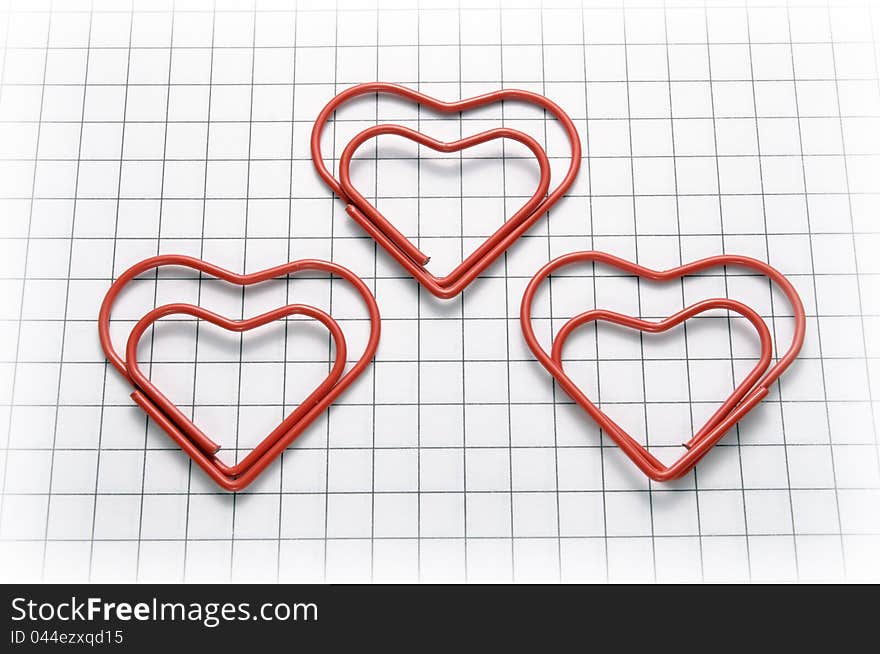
130	131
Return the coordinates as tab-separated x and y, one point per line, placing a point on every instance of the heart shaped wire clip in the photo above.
175	423
754	387
394	242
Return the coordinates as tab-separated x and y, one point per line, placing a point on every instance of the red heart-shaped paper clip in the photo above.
391	239
750	391
175	423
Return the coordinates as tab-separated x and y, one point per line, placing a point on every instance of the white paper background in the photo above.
132	131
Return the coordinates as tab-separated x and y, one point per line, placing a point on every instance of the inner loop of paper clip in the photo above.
149	397
746	385
397	244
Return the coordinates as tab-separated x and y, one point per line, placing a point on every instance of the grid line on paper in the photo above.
18	335
794	276
244	264
373	413
382	492
767	244
198	300
429	360
410	492
278	550
427	119
507	331
550	299
499	403
112	273
418	348
513	523
612	537
851	223
404	9
635	210
64	333
464	431
573	195
602	436
156	285
384	45
735	429
329	344
819	326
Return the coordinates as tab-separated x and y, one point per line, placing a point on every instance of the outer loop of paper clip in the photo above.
195	443
400	247
409	256
754	387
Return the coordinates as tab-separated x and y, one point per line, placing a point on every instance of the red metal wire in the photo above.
395	243
745	396
175	423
